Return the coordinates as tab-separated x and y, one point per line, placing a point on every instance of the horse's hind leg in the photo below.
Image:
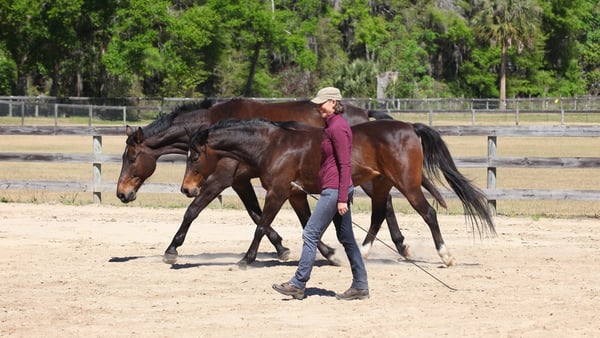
381	207
300	204
418	201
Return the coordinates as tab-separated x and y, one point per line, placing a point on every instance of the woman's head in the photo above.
329	101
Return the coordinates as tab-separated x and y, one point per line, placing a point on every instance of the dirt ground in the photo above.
96	271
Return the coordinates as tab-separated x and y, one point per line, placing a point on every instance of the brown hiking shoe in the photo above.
289	290
352	294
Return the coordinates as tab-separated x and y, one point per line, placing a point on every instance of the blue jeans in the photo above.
325	211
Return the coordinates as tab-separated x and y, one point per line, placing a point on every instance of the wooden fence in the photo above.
491	162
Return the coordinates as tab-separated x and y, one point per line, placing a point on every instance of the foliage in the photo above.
439	48
8	74
507	24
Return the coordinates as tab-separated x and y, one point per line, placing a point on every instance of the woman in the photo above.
336	194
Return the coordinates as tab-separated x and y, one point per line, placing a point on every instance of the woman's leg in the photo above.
345	234
321	216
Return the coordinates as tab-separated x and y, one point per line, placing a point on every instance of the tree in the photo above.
163	48
8	73
507	23
565	24
19	30
590	53
58	38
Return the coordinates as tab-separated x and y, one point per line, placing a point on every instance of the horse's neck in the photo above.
244	146
175	139
172	141
355	115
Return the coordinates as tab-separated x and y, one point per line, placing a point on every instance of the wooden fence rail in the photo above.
490	162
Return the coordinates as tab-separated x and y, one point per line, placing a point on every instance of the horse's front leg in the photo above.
193	210
273	203
243	187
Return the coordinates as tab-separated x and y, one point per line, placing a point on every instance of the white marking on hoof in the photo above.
446	256
364	250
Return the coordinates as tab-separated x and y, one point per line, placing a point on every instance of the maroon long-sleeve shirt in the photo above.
336	153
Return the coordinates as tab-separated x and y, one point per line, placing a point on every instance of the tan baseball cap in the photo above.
326	94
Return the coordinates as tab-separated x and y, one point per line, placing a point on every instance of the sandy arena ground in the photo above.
96	271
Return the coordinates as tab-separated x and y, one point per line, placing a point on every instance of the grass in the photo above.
460	146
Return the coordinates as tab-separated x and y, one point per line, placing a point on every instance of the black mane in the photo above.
259	122
164	121
200	137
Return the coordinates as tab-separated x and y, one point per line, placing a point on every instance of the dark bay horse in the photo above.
169	135
390	153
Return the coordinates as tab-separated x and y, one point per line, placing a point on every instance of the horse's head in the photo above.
201	163
139	163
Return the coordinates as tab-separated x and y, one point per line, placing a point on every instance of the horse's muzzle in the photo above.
190	192
126	198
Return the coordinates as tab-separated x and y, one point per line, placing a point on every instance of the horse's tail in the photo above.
379	115
437	156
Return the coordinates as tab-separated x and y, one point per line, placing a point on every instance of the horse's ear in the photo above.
128	130
139	135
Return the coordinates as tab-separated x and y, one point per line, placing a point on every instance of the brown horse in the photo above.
169	135
390	153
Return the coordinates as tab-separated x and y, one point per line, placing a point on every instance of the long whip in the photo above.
299	187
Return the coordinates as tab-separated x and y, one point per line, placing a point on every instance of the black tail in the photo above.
379	115
437	156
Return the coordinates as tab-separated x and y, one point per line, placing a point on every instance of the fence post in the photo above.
491	171
55	115
562	114
22	113
97	169
517	114
124	115
90	113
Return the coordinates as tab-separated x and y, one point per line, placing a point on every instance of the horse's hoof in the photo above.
284	255
170	258
450	262
243	265
446	256
334	260
364	250
406	252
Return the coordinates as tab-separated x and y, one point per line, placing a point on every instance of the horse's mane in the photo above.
200	137
259	122
164	121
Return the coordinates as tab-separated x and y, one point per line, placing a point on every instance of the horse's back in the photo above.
383	131
303	111
300	110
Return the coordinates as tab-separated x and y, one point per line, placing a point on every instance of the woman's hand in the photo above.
342	208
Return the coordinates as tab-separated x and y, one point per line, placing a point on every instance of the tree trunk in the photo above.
253	65
21	88
54	89
503	76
